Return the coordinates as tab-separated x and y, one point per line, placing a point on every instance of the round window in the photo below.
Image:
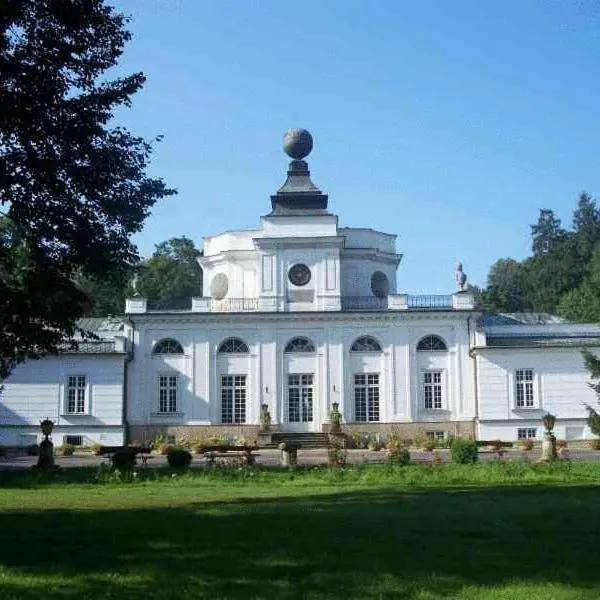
380	285
299	274
219	286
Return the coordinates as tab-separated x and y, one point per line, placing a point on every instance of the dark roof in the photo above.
536	341
523	318
90	347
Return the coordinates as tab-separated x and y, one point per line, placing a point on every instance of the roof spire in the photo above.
298	193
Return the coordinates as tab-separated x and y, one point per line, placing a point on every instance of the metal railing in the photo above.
429	302
235	305
364	303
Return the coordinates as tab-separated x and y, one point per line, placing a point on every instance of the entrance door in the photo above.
300	409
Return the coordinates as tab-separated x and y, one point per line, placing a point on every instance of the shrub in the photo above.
464	451
124	459
593	444
164	449
526	445
179	458
198	447
398	454
97	449
428	445
561	443
66	450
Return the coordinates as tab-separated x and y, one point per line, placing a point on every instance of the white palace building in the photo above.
297	314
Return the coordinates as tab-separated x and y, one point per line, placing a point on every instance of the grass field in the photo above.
498	531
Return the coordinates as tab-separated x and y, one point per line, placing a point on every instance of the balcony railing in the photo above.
429	302
235	305
364	303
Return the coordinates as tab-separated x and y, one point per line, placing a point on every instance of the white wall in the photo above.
37	390
560	387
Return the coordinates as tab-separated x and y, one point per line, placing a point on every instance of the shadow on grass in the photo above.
372	544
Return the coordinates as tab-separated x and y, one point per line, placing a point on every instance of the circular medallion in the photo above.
219	286
299	274
380	285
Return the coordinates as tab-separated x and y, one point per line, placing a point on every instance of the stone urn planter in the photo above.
46	451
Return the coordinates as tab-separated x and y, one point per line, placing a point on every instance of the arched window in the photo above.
431	342
300	344
233	345
366	343
168	346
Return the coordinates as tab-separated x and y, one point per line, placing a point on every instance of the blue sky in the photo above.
448	123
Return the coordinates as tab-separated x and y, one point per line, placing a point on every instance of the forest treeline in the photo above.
561	276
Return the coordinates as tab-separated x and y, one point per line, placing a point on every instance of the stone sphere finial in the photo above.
297	143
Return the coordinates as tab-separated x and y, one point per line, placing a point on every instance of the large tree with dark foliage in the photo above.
73	186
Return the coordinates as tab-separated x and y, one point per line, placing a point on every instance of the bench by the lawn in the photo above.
237	454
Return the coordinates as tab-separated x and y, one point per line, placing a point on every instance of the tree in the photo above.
586	219
546	232
582	303
172	275
506	291
73	187
592	364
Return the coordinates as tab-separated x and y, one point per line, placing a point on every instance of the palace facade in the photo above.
299	314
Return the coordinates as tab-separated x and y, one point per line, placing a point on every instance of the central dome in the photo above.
297	143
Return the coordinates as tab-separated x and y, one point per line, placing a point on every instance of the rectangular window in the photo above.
233	399
167	394
75	440
300	398
526	433
436	436
76	394
432	390
524	388
366	397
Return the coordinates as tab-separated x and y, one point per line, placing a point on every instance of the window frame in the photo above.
527	431
432	336
176	349
308	348
241	348
371	399
442	385
305	383
515	385
86	404
235	418
168	399
371	338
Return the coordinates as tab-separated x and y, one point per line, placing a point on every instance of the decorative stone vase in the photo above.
46	452
335	419
289	454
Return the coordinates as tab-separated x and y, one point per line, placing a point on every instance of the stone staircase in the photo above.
307	441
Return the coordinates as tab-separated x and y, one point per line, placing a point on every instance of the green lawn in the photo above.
488	531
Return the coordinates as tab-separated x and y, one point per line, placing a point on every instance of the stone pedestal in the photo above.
46	456
289	454
548	448
264	438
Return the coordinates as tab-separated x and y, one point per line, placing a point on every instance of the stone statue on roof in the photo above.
461	278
